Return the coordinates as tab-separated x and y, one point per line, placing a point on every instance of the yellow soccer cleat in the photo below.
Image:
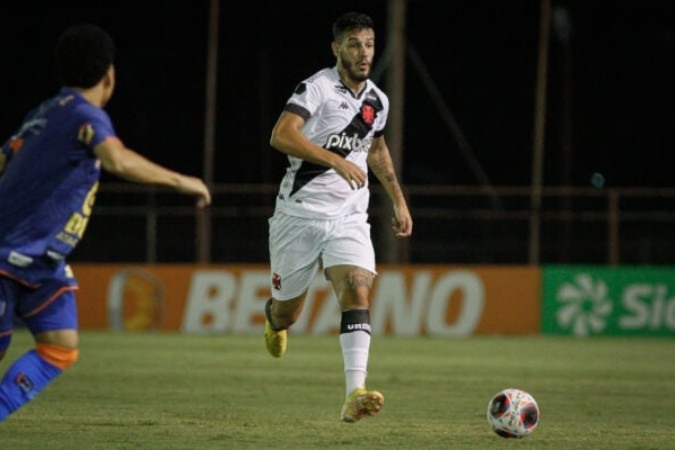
275	341
361	403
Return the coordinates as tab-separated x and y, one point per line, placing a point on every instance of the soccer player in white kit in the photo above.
332	130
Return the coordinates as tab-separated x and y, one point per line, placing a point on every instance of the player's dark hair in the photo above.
83	53
351	21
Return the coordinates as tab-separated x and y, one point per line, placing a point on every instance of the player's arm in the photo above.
125	163
379	161
287	137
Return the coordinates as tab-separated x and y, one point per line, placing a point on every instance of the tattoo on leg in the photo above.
360	278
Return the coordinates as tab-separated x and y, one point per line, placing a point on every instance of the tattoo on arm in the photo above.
384	170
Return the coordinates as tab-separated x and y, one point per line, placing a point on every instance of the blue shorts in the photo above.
50	307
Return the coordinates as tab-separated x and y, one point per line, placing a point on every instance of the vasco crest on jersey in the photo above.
368	113
370	108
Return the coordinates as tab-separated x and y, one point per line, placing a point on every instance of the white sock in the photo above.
355	348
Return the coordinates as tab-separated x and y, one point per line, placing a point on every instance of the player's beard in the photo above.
353	73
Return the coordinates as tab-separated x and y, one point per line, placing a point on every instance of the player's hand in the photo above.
352	173
195	186
402	223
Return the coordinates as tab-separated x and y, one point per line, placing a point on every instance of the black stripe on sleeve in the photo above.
297	109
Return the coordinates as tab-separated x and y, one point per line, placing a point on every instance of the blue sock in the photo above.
24	380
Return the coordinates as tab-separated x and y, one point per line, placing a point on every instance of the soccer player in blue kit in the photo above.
332	130
49	174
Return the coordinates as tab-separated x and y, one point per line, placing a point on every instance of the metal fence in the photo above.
453	224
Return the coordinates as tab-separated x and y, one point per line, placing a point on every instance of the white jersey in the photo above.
340	122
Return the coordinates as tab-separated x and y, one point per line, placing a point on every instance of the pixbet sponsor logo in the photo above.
351	143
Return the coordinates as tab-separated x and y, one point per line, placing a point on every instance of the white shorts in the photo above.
299	246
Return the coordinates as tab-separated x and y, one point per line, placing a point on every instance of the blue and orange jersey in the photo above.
48	186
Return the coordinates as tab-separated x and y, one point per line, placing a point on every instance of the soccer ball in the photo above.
513	413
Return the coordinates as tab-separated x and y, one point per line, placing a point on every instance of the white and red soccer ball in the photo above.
513	413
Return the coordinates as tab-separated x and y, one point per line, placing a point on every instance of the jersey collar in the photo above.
347	88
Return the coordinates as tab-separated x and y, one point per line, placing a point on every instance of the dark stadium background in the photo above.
482	54
610	88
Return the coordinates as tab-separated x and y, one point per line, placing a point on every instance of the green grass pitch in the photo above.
173	391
